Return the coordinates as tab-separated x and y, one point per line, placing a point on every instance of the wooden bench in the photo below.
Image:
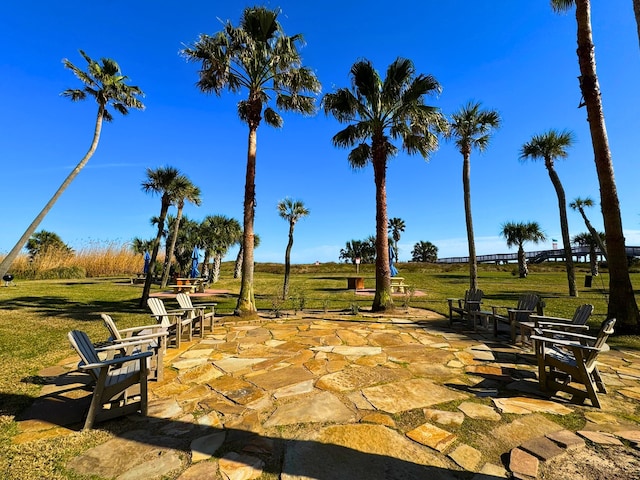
184	288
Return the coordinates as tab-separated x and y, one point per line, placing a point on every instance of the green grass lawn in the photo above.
35	316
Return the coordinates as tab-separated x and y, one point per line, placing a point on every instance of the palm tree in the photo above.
237	270
259	57
579	204
424	252
518	234
636	11
44	241
218	233
472	128
550	146
588	240
381	111
396	227
291	211
184	191
140	246
162	182
622	302
104	82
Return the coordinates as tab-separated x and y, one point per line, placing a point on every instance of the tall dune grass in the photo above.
95	260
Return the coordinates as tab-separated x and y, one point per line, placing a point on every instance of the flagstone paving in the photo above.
328	397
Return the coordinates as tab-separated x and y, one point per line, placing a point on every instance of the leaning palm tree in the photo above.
184	191
472	128
518	234
396	226
549	147
381	111
161	182
105	83
622	304
579	204
291	211
259	57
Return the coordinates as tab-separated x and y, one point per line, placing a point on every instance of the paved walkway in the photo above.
326	397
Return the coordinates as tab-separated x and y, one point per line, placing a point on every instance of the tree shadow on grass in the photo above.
69	309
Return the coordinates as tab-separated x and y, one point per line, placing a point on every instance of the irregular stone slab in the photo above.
444	417
187	363
379	418
432	436
633	393
203	448
481	352
629	435
542	447
356	351
351	338
237	389
491	471
156	467
523	463
385	339
467	457
234	466
478	411
165	408
526	405
433	371
323	407
359	401
123	454
283	377
234	364
355	378
361	451
200	374
296	389
600	438
197	353
199	471
601	418
566	439
409	354
416	393
506	437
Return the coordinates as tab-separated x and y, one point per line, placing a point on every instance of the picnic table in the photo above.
187	285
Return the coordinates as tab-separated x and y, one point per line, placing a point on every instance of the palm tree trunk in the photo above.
593	259
466	186
287	263
246	302
594	233
382	299
154	254
217	261
564	227
622	302
636	11
522	262
5	265
171	247
237	271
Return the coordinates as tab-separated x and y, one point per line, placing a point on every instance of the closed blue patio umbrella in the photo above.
194	272
147	259
394	270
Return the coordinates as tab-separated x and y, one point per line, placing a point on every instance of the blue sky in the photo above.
517	57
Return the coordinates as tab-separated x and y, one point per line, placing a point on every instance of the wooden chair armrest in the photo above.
124	343
196	305
544	318
550	325
116	361
562	342
138	329
141	338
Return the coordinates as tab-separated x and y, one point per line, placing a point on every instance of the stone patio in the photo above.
321	396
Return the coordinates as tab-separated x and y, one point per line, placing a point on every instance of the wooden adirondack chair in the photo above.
463	307
527	304
204	310
577	323
149	337
121	382
565	362
176	322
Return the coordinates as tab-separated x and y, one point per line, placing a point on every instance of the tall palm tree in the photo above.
381	111
237	270
161	182
550	146
291	211
636	11
622	302
472	128
579	204
396	226
183	191
259	57
105	83
586	239
518	234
